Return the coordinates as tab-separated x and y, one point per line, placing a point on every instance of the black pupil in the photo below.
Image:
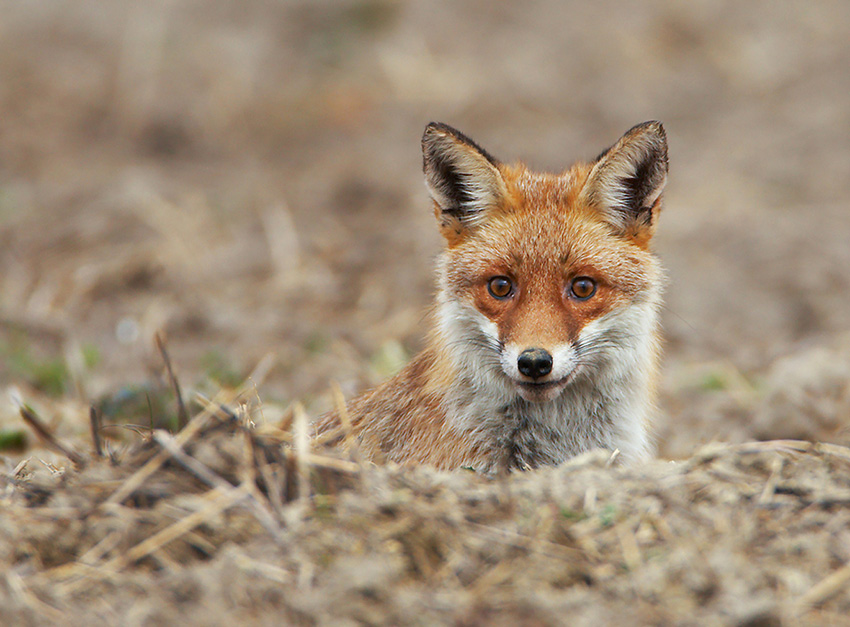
501	287
582	287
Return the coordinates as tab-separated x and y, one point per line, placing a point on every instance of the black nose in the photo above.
534	363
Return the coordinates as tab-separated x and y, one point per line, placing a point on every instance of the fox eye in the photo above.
500	287
583	287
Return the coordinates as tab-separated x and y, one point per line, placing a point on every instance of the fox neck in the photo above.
605	407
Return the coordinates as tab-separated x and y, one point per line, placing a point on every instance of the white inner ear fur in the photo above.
479	178
605	182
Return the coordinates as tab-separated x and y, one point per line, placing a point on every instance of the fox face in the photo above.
547	283
545	342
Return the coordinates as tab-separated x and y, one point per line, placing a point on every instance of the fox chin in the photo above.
545	340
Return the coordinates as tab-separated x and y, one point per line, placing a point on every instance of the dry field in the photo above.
244	179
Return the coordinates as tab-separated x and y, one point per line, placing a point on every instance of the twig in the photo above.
269	571
262	506
144	548
345	421
203	472
302	450
138	429
329	436
322	461
273	432
142	474
94	421
150	413
274	486
522	541
826	588
285	422
762	446
200	470
769	489
42	432
67	572
614	455
629	545
835	450
90	557
259	373
214	407
18	588
182	414
247	471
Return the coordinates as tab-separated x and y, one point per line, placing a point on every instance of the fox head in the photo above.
547	280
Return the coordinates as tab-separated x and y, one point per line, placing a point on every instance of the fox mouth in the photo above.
541	390
541	385
547	390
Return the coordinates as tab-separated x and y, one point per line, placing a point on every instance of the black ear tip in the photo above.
436	133
433	132
438	128
652	126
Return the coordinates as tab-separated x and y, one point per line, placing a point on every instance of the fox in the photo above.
545	339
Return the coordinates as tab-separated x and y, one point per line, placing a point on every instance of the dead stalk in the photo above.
825	589
44	434
94	422
221	502
142	474
182	414
302	450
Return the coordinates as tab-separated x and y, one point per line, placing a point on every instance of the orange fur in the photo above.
475	397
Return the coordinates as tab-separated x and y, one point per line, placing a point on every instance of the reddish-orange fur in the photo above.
453	405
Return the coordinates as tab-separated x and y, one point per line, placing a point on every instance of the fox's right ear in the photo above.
463	178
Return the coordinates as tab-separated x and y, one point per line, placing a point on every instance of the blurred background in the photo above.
246	177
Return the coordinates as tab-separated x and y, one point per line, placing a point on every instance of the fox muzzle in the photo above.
534	362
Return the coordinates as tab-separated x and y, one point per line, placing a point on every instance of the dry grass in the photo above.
235	518
228	521
246	182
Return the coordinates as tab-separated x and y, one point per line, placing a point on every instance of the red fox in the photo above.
545	336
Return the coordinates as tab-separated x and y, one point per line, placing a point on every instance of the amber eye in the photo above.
500	287
583	287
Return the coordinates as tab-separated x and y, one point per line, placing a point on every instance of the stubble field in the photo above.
245	179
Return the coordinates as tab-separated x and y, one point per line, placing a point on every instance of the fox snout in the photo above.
538	374
534	362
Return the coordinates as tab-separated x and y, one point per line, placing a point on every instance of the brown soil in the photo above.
245	177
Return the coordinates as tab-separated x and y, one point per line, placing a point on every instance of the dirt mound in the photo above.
214	525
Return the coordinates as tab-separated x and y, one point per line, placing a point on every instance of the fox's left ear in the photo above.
626	181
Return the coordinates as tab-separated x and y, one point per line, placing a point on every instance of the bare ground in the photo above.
245	178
